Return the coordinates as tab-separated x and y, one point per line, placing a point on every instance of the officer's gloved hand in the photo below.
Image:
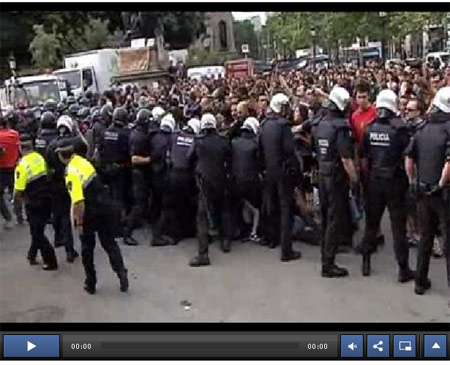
435	191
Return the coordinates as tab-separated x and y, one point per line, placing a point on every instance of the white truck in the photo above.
91	70
30	91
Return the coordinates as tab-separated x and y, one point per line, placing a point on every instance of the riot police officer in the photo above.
179	204
60	198
384	142
92	214
31	183
246	185
427	163
140	174
157	115
115	162
334	148
280	166
212	153
160	142
50	106
47	132
99	124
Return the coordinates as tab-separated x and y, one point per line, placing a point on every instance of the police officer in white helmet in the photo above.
281	169
333	145
428	165
212	156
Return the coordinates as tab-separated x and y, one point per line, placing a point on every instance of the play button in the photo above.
30	346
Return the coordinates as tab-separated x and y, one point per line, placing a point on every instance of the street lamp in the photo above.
383	16
12	64
265	51
313	37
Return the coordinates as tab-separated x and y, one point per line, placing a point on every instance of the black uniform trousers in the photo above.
390	193
333	196
7	181
141	195
39	212
158	187
101	221
244	190
62	224
178	205
213	206
430	210
278	200
115	178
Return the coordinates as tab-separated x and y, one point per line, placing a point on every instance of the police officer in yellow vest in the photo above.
91	212
31	185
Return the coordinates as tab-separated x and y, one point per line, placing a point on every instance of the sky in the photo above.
248	14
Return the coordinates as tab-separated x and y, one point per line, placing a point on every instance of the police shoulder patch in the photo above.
69	186
17	174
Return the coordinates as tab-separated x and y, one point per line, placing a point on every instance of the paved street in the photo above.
248	285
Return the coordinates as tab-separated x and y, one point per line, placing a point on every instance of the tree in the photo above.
45	48
244	33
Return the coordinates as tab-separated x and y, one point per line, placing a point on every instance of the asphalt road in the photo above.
250	284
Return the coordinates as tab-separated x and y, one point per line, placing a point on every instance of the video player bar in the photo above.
228	345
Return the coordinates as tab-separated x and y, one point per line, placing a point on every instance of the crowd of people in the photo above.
292	155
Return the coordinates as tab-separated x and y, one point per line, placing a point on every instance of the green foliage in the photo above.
202	57
344	27
45	48
244	33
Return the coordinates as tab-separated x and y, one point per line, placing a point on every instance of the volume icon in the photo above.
353	346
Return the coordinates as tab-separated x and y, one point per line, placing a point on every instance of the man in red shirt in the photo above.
361	117
9	155
365	113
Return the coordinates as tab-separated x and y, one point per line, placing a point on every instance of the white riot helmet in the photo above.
208	121
251	124
194	123
277	102
168	122
340	97
157	113
65	121
387	99
442	99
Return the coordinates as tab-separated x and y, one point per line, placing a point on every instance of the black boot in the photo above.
333	271
159	241
366	265
71	256
32	261
225	246
130	241
405	275
52	266
123	279
200	260
291	256
89	284
422	286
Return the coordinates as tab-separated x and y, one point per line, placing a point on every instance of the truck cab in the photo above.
78	80
30	91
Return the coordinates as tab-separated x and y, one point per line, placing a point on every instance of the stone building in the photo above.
219	35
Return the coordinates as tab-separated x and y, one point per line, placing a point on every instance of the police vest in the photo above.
80	180
325	133
433	147
244	160
181	151
31	175
385	153
115	145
